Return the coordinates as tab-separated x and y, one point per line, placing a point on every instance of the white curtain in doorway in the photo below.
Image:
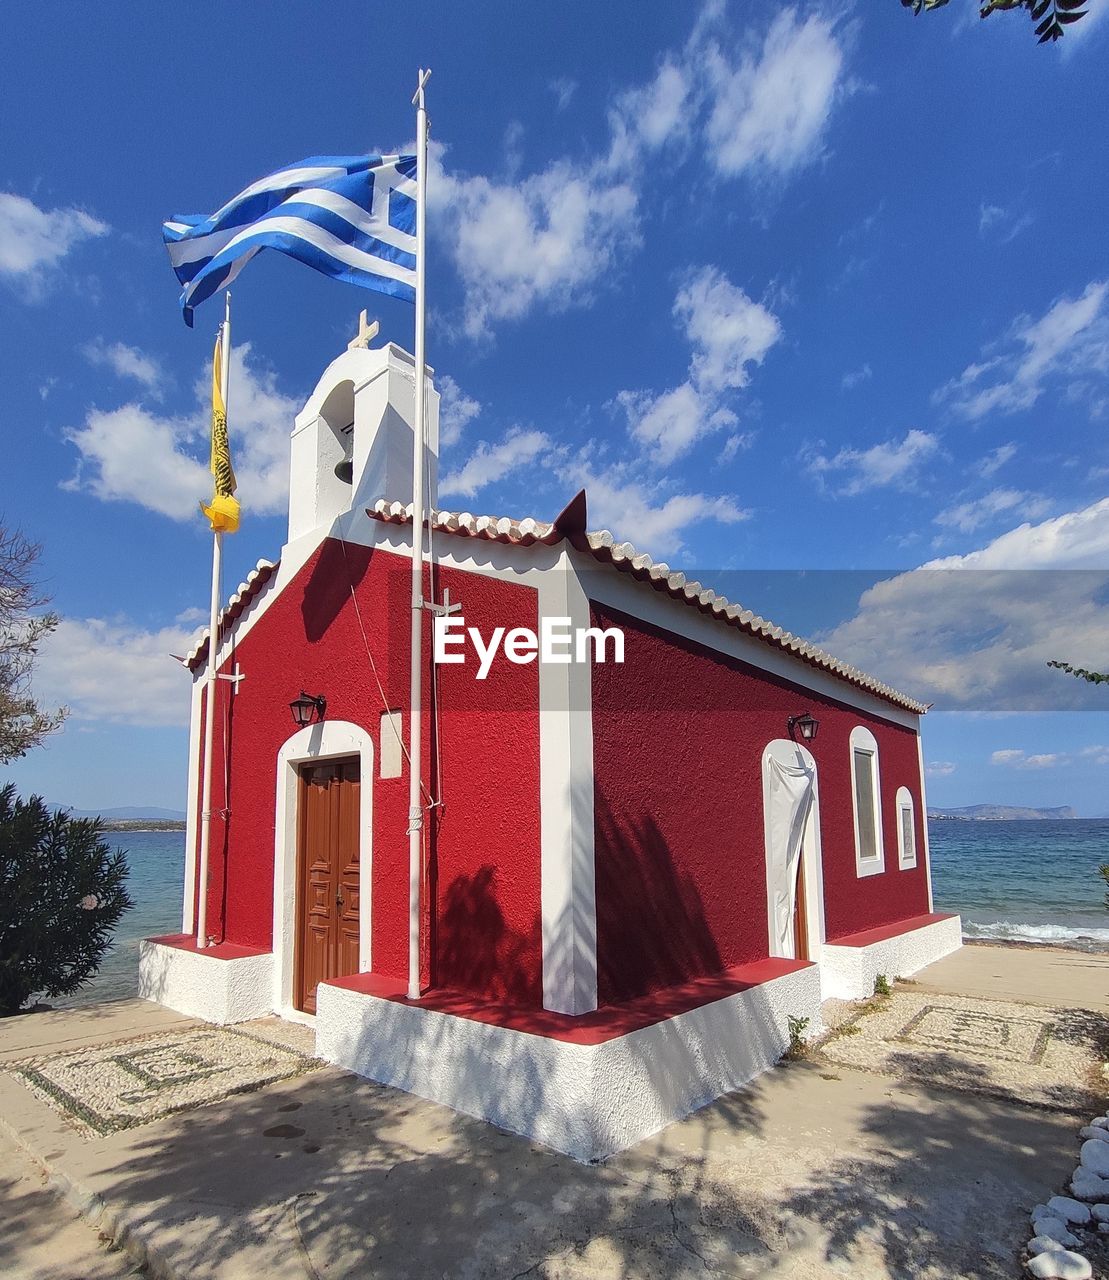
789	798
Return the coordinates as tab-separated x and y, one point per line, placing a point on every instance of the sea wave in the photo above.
1057	934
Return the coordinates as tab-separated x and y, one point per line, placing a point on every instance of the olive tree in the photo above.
24	723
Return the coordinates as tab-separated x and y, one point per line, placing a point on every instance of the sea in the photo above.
1029	882
157	863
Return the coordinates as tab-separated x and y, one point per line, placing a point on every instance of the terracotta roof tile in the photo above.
625	558
256	579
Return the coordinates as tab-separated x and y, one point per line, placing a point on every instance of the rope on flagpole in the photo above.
211	679
415	757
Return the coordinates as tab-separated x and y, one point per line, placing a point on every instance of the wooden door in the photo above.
800	912
327	876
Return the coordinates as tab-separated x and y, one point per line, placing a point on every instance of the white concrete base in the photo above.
848	973
588	1101
205	987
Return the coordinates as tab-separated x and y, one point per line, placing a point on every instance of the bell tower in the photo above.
352	441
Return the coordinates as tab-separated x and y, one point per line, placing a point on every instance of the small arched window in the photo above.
906	830
866	803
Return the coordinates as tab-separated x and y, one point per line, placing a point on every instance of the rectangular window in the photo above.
908	837
864	805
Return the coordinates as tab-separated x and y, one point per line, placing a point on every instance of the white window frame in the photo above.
905	803
863	740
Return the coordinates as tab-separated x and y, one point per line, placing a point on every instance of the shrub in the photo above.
797	1027
61	896
881	985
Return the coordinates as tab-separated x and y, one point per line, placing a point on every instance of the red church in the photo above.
644	849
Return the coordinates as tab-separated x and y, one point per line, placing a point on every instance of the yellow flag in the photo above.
223	511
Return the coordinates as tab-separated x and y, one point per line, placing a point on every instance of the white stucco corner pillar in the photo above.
569	903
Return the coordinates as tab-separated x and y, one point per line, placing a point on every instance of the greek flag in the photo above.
351	217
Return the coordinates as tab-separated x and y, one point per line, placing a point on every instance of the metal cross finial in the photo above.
235	677
365	335
418	96
444	608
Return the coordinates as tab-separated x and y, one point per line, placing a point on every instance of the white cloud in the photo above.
735	442
563	89
1075	540
894	462
728	333
853	377
110	670
1070	339
160	462
490	463
976	632
131	455
456	411
647	517
32	240
968	516
618	499
127	362
981	640
769	114
995	460
1016	758
556	236
670	423
940	769
992	218
989	216
547	239
513	146
648	117
661	108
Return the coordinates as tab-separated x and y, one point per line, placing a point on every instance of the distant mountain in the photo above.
125	813
1002	813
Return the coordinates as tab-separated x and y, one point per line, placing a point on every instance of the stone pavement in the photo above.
816	1169
43	1238
63	1029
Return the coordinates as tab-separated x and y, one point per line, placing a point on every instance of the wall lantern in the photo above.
805	725
306	708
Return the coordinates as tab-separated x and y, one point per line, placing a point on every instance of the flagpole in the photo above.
415	799
211	678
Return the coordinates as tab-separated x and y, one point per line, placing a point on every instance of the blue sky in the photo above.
815	288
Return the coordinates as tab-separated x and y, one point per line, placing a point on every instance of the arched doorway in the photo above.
346	750
794	883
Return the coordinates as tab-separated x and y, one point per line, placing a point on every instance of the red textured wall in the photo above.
678	738
482	929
